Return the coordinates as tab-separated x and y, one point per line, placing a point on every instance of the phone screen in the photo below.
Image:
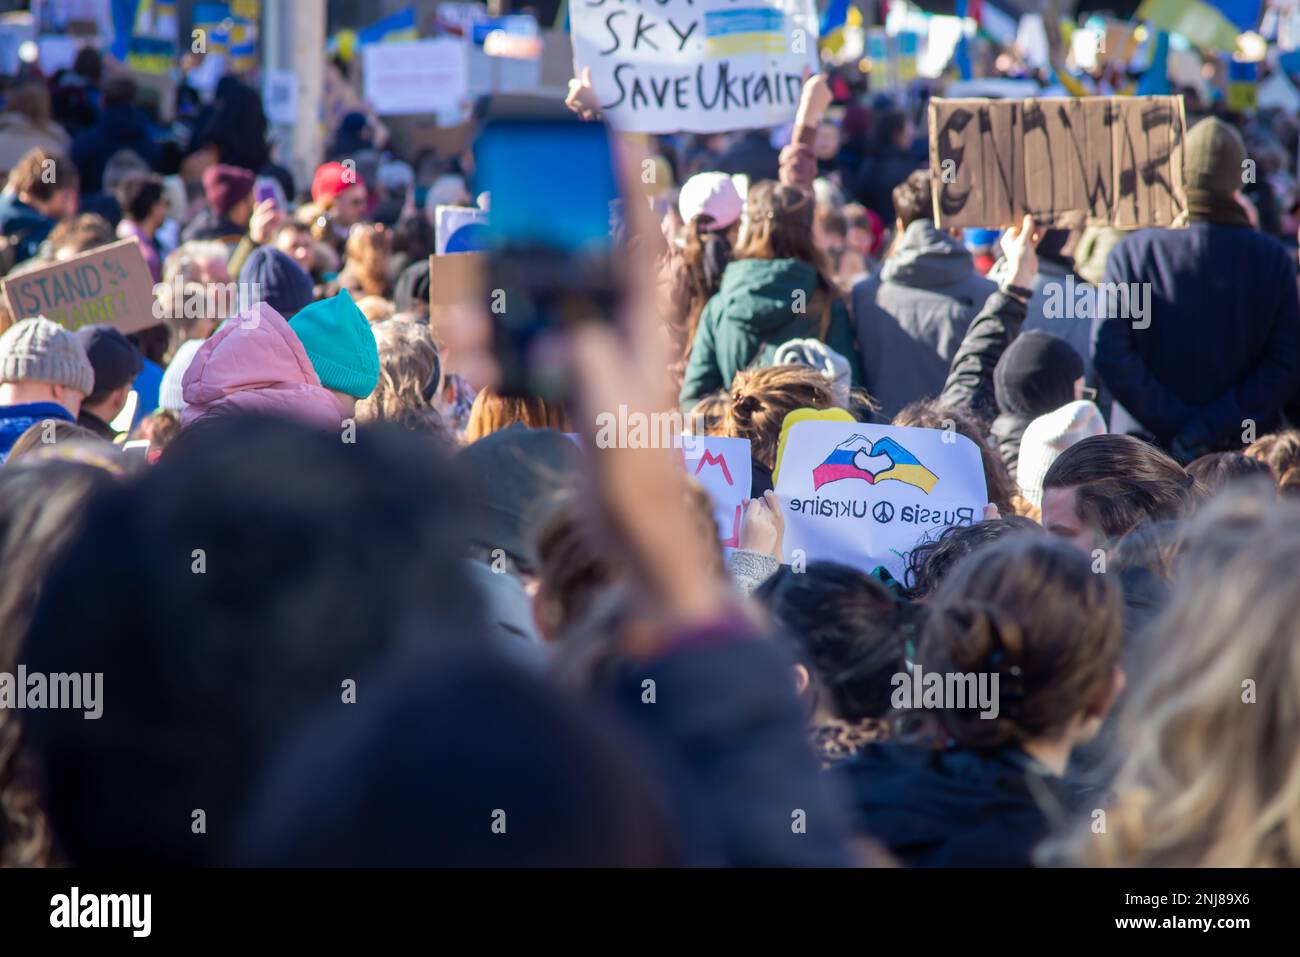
552	258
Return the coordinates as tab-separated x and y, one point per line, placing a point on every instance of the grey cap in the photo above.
38	350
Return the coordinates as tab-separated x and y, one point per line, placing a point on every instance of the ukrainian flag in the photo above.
398	28
906	468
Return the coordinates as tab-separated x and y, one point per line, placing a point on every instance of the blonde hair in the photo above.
492	412
376	309
366	257
1280	451
1212	777
408	366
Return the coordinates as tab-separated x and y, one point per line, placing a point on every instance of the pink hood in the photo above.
255	364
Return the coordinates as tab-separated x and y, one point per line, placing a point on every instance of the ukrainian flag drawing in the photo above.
904	467
736	32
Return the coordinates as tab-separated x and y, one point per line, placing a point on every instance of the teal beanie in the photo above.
338	340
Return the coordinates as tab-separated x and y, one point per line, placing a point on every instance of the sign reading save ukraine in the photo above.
866	495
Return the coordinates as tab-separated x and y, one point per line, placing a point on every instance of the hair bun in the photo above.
744	403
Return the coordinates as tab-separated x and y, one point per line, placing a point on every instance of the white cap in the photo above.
1047	437
710	194
169	393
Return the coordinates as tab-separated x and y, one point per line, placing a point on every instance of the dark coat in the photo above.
1223	343
956	808
120	127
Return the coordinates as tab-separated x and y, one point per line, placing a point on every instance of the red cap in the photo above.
332	179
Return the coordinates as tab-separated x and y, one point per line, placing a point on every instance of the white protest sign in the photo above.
722	466
420	77
696	66
280	96
459	229
865	495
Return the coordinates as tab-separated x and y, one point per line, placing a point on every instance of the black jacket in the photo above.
957	808
1221	343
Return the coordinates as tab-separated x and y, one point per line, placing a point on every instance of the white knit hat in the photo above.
38	350
820	356
1047	437
169	393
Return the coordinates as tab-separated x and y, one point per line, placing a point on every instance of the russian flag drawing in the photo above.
904	467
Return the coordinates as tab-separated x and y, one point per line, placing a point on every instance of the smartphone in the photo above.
264	191
552	260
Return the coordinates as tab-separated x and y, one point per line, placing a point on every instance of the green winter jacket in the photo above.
752	315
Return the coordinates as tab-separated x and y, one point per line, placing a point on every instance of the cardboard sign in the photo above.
866	495
697	66
1113	161
722	466
459	229
421	77
109	285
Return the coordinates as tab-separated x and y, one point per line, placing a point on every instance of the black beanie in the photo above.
1036	374
283	284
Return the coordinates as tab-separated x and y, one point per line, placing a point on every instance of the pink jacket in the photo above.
255	364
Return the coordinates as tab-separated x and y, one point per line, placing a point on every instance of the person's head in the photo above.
1047	436
1037	374
142	200
159	429
762	398
848	635
40	361
229	192
410	375
1029	611
863	229
41	507
79	234
196	270
492	412
1281	452
288	592
914	198
573	570
1209	729
341	347
411	291
119	90
1213	158
295	240
116	362
712	200
121	166
47	182
340	191
273	277
932	414
708	416
1218	471
366	255
49	435
574	790
893	131
514	476
1101	487
779	225
31	98
930	561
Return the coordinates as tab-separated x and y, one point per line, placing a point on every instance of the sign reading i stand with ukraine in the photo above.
697	66
866	495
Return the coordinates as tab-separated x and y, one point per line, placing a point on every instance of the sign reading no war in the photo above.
866	495
696	66
1113	161
110	285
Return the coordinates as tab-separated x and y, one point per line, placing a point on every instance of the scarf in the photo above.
1220	209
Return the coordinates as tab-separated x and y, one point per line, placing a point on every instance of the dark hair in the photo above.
138	195
887	128
1217	470
572	568
284	590
1119	480
913	197
119	91
933	414
780	226
929	562
152	341
391	787
1031	611
846	628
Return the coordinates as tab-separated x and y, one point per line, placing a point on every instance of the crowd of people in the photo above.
351	604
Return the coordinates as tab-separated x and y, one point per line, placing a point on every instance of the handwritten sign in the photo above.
866	495
722	466
109	285
697	66
421	77
1115	161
